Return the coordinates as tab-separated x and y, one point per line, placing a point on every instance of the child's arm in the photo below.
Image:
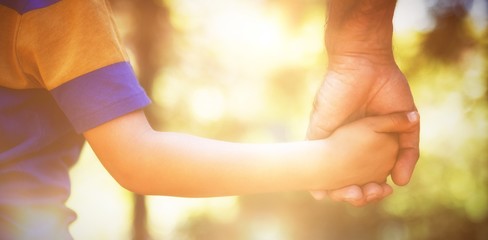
161	163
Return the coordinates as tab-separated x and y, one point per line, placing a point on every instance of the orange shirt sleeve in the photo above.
66	40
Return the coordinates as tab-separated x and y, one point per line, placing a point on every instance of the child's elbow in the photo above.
124	170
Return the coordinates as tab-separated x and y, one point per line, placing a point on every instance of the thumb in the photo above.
394	122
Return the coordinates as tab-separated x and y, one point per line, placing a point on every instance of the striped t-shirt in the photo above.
63	71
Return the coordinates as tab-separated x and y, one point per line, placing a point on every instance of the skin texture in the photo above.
146	161
363	80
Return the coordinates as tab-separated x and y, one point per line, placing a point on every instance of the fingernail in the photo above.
413	116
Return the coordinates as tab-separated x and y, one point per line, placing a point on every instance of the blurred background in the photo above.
248	70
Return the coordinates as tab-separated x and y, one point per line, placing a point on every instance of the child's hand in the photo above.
365	151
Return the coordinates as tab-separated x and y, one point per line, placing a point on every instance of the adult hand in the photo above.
355	87
363	79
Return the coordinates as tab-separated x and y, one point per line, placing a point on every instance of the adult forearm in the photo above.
360	28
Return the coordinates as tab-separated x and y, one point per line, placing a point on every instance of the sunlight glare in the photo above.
168	213
473	84
207	104
411	15
267	229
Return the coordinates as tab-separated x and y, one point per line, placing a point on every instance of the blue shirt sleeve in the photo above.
100	96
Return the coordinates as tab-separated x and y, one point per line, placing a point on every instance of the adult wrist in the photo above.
360	28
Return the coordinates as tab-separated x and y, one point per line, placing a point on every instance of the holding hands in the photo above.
363	80
364	90
363	151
